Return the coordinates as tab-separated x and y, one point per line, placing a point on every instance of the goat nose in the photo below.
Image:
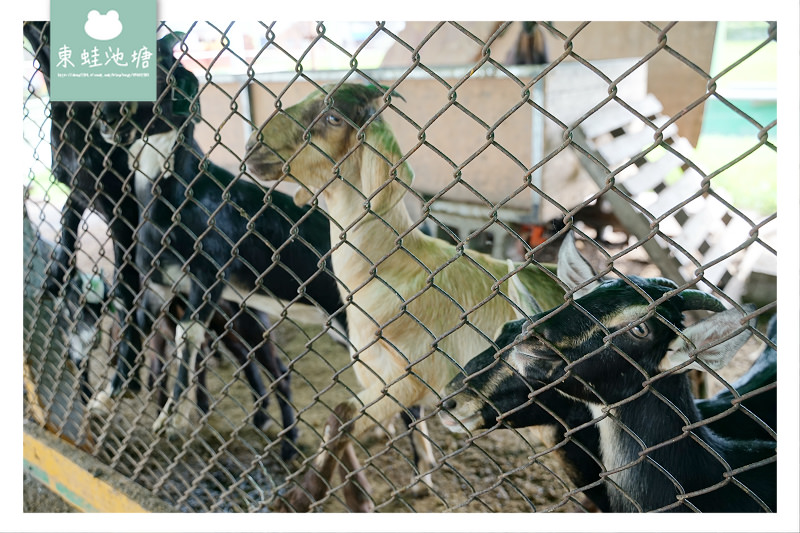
449	404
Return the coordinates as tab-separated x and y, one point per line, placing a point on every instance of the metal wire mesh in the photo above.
499	150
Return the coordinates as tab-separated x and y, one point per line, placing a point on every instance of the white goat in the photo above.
415	301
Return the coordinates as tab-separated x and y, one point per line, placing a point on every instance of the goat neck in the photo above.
374	235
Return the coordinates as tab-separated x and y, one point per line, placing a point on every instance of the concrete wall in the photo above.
673	82
221	131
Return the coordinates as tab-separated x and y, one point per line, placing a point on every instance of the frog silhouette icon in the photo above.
102	27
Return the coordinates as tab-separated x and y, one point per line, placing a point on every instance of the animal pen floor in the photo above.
217	464
200	475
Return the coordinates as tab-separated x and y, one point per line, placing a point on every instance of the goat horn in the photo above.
664	282
168	41
693	299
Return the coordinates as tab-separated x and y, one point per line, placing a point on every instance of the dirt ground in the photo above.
225	464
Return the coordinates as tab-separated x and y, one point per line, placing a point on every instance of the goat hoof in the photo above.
173	431
160	422
100	404
356	494
289	455
384	433
363	507
133	388
163	415
178	426
280	506
359	503
419	490
263	425
294	502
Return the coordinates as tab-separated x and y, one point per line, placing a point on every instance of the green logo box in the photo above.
103	50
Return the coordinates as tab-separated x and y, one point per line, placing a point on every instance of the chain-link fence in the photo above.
239	298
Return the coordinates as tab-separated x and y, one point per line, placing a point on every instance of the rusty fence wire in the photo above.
235	203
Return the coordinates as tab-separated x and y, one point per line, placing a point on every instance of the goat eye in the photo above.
640	331
333	120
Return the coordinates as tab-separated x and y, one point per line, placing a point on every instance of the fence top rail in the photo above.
391	73
447	72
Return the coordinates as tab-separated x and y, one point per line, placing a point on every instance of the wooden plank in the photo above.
46	460
613	115
571	89
704	215
699	226
653	173
735	233
634	221
623	148
676	193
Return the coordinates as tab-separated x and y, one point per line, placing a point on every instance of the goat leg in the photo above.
421	448
83	380
336	450
185	412
315	482
189	336
253	350
268	358
201	394
60	268
157	379
127	288
247	337
356	489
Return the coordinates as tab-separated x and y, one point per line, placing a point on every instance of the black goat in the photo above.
98	177
495	395
206	234
490	393
595	355
499	396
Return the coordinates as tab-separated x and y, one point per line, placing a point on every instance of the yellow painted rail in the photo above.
45	458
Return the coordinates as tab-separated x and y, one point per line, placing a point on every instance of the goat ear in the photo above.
709	332
302	196
168	42
381	154
521	296
184	92
185	88
573	269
